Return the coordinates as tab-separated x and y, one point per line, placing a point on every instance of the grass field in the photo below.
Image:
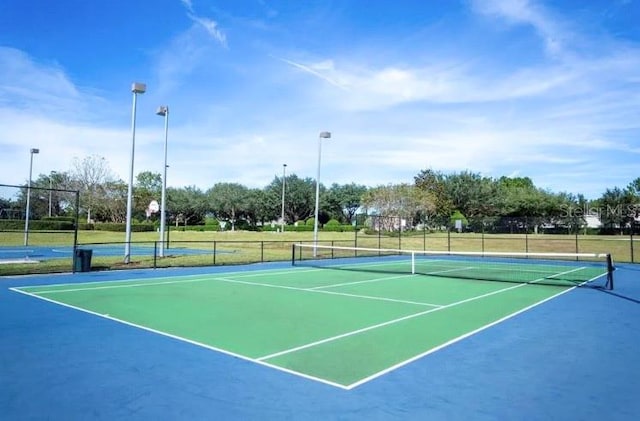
220	248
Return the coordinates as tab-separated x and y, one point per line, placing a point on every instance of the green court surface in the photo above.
339	327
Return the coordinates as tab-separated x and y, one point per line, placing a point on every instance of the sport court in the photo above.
340	321
337	337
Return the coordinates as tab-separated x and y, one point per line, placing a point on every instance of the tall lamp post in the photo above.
136	88
26	219
284	172
50	189
323	135
163	111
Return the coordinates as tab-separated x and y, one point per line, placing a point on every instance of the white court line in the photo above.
148	284
563	273
199	277
437	272
368	297
17	251
119	285
387	323
406	275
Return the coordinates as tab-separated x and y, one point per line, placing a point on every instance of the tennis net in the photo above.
558	269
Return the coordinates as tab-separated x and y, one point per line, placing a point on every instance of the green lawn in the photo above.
250	247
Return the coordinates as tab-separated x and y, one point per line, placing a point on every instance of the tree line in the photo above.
432	197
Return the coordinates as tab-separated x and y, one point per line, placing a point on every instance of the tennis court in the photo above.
340	335
36	253
342	324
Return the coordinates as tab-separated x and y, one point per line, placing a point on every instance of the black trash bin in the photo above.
82	262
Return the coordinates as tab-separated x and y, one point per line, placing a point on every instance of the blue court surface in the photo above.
572	357
66	252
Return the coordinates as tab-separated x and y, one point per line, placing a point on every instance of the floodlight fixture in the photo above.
138	88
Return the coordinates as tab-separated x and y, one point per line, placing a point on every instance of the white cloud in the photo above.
317	71
527	12
208	24
211	27
29	85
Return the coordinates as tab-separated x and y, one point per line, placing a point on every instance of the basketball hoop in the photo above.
153	206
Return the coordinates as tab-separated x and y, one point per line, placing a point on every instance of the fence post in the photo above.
424	236
214	252
448	238
526	234
355	237
631	244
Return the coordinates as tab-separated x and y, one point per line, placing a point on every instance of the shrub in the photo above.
118	227
38	224
457	215
299	228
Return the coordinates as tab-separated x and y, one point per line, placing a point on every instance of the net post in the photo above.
293	254
413	262
610	269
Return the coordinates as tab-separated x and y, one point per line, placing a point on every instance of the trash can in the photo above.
82	261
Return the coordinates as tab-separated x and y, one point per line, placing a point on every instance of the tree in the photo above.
471	193
148	187
299	197
114	206
395	202
343	201
434	183
186	205
617	208
89	176
228	201
634	188
257	207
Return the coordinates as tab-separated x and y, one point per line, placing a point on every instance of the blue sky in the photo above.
544	89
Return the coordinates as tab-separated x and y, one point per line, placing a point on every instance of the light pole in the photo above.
136	88
50	189
323	135
26	219
284	171
163	110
